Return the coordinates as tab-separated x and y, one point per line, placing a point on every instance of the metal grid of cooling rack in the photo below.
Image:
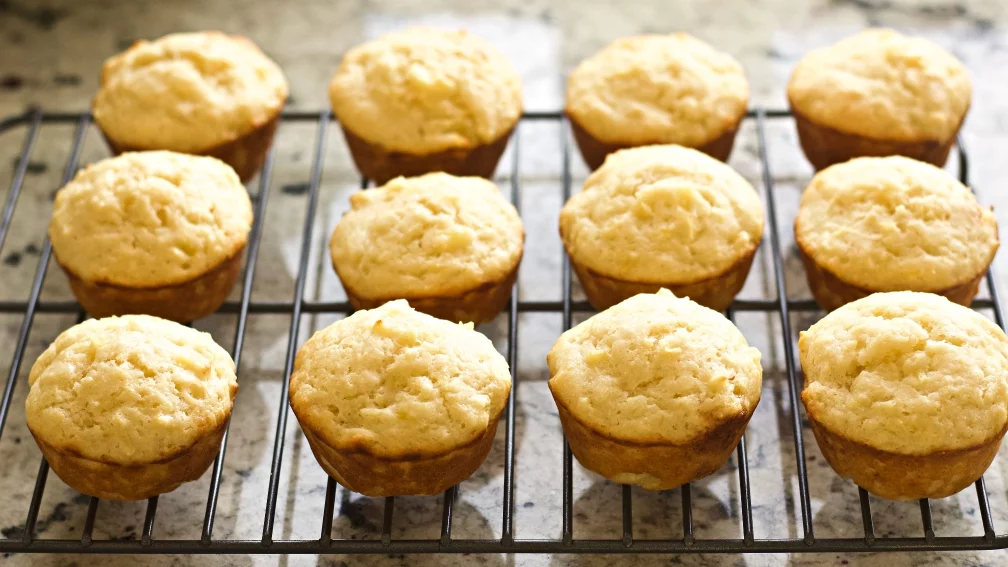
33	121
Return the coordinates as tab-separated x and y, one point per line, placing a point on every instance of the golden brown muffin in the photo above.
656	89
907	393
878	93
655	391
394	401
892	224
450	245
662	216
152	232
423	100
202	93
130	407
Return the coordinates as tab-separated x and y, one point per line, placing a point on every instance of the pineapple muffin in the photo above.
202	93
907	393
655	391
892	224
395	402
878	93
450	245
158	233
662	217
656	89
130	407
422	100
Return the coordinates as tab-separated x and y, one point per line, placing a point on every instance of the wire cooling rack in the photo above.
34	121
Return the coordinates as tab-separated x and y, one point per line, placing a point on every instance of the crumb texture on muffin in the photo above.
658	89
884	85
129	390
655	369
906	372
436	234
188	92
662	214
149	219
894	223
424	90
395	383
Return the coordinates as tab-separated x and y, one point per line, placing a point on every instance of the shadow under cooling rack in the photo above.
34	121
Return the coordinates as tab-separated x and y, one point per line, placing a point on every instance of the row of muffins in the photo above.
163	233
906	393
425	100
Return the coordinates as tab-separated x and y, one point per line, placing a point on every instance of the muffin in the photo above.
130	407
892	224
450	245
396	402
202	93
422	100
656	89
662	216
655	391
878	93
158	233
906	393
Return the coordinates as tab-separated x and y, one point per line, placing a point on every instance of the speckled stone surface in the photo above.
50	53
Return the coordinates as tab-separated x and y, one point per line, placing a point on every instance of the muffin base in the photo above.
245	154
594	151
905	477
184	302
651	466
830	292
824	146
136	481
380	165
477	305
414	475
717	293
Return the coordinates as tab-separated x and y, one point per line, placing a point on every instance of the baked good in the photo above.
655	391
662	216
394	401
878	93
450	245
892	224
422	100
907	393
130	407
202	93
656	89
159	233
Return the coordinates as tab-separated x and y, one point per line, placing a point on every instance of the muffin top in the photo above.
392	382
424	90
907	372
654	89
893	223
662	214
432	235
655	369
129	390
188	92
881	84
150	219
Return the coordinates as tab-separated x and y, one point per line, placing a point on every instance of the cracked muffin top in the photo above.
129	390
393	382
188	92
150	219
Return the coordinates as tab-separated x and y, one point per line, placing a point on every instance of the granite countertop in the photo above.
50	53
